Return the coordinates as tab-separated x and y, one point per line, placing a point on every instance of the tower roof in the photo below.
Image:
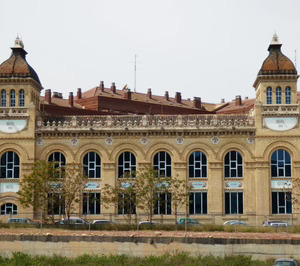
16	66
276	62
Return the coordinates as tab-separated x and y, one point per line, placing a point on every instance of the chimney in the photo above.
128	94
48	96
238	100
71	99
167	95
222	100
113	87
178	97
197	102
78	93
149	94
101	86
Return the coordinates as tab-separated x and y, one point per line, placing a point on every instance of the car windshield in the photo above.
285	263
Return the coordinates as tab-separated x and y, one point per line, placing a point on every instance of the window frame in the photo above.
166	203
228	211
127	165
201	166
123	207
96	201
87	167
288	95
283	164
61	204
3	98
278	95
238	168
203	203
269	95
14	164
279	206
12	98
167	166
13	206
60	165
21	98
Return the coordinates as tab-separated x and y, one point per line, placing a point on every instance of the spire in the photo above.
274	43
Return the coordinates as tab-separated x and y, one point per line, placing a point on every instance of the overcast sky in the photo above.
209	49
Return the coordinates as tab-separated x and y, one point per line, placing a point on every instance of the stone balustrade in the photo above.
280	109
13	112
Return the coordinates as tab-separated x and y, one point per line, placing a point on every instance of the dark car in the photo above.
103	222
286	262
20	221
72	221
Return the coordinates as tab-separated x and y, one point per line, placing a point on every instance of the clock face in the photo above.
12	126
280	123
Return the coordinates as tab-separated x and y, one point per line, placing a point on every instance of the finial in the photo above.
18	43
275	39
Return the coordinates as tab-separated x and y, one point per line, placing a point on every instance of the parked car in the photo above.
286	262
235	222
103	222
275	223
72	220
148	223
188	221
20	221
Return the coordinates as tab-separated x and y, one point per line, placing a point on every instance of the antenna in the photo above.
135	56
296	59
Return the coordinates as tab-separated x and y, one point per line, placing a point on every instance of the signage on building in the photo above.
92	185
282	184
234	184
9	187
126	184
280	123
12	126
199	185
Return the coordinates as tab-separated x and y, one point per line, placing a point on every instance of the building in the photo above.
241	158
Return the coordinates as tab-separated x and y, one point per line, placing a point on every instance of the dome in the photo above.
17	66
277	62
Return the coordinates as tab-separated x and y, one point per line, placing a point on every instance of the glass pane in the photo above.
191	171
156	159
17	172
274	171
121	159
233	173
162	156
287	157
281	199
198	203
98	161
280	154
226	171
127	156
233	155
288	171
227	158
274	158
169	171
168	158
133	160
204	171
204	198
233	204
98	172
85	159
197	156
197	173
16	159
191	159
227	203
92	156
203	159
239	157
240	171
241	205
191	205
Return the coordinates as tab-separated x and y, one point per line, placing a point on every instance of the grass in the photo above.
180	259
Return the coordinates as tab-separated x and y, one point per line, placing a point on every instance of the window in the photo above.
163	203
288	95
92	165
9	209
163	164
56	204
91	203
22	98
281	202
198	203
3	98
281	164
12	98
60	160
198	165
233	164
234	203
269	95
126	165
278	95
127	204
10	165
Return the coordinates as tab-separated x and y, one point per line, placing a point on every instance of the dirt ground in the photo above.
35	231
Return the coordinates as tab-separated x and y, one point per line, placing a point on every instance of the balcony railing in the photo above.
13	112
280	109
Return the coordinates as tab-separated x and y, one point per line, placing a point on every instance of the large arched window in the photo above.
12	98
9	209
126	165
278	95
3	98
281	164
269	95
22	98
92	165
60	161
233	165
163	164
288	95
10	165
197	164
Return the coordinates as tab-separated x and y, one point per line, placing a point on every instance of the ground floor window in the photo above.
56	204
234	203
163	203
9	209
91	203
198	203
127	204
281	202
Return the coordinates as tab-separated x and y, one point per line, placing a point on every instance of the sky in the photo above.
209	49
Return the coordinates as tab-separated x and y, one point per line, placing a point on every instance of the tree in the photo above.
34	188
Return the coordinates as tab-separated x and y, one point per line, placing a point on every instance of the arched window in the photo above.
269	95
22	98
92	165
13	98
10	165
126	165
281	164
197	164
163	164
233	164
288	95
3	98
60	160
9	209
278	95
